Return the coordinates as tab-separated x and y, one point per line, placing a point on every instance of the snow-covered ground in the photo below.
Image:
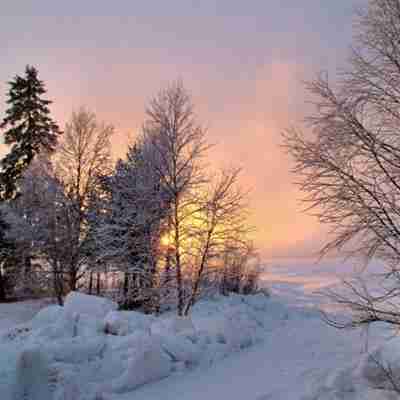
238	348
17	313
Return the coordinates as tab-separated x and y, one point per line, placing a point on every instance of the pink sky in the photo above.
243	65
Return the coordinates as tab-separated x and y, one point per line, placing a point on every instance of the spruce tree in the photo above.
29	129
7	249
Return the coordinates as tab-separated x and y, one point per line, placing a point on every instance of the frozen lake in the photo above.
303	281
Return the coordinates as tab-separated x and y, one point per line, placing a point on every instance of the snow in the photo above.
46	316
173	325
240	347
180	349
32	376
124	322
12	314
148	363
386	356
94	306
86	348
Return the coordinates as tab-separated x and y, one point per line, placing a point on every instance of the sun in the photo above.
166	240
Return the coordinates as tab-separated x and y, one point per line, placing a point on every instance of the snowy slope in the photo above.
15	313
292	354
87	348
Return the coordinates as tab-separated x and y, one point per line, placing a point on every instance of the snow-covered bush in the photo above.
240	272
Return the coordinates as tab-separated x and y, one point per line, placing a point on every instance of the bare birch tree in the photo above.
206	212
348	163
83	156
179	143
221	218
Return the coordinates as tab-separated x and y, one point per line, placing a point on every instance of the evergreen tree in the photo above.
29	129
6	251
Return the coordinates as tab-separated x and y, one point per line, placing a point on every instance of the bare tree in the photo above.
241	268
206	212
348	164
179	144
220	219
83	156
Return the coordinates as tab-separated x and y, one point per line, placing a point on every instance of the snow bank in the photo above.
125	322
47	315
146	364
373	377
180	349
172	326
87	348
375	366
94	306
32	376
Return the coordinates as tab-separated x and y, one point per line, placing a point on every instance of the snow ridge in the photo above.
87	350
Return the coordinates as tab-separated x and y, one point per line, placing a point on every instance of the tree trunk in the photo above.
58	285
98	284
72	278
178	261
90	282
3	296
27	276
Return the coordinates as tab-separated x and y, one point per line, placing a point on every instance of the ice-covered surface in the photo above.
234	348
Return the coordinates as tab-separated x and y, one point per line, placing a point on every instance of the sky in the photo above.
244	63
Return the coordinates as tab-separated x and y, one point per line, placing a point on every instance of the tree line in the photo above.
154	230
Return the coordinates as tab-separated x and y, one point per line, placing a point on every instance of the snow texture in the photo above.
125	322
94	306
239	347
32	376
87	348
146	364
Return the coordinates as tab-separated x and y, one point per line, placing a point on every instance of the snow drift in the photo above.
87	350
375	376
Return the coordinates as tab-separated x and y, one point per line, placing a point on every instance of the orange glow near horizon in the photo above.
244	65
246	134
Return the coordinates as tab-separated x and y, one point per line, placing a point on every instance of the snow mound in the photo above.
147	363
94	306
32	376
180	349
172	326
64	327
376	367
373	377
87	350
76	350
125	322
47	315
